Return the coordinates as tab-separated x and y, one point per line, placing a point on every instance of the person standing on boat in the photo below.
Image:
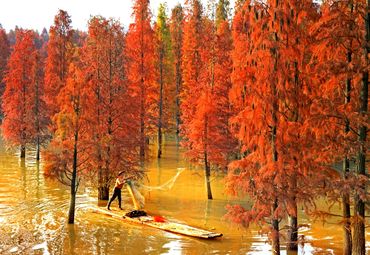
120	181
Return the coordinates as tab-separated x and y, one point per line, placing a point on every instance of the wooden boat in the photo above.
168	226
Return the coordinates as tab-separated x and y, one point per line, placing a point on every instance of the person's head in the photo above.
120	174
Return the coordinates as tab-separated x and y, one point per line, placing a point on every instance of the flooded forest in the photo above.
205	127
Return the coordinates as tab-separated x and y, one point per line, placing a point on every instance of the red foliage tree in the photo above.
222	83
4	55
141	71
41	117
67	155
193	82
176	28
164	61
270	97
58	59
260	169
18	98
205	106
112	130
339	106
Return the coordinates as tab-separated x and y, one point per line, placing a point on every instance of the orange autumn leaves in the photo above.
276	95
22	103
299	110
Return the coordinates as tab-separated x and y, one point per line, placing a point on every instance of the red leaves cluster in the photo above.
206	74
297	86
141	71
59	55
22	101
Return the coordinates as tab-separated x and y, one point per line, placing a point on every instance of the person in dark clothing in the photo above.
120	181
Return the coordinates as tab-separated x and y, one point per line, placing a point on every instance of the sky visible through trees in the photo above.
80	10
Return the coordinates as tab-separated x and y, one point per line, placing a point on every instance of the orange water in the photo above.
33	216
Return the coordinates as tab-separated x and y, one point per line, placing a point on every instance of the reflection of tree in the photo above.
159	171
22	164
207	208
72	238
38	180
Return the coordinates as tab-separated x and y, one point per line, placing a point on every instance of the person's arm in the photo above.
128	178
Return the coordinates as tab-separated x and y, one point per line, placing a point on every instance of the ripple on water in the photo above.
29	201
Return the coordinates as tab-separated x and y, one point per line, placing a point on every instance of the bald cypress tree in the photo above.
164	59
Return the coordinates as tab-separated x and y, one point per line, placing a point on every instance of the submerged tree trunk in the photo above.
346	209
159	142
160	104
208	176
207	166
274	110
346	206
103	188
275	242
275	220
23	151
292	244
38	148
72	205
359	240
359	204
358	247
103	193
347	238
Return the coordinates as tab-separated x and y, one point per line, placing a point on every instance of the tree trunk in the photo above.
38	149
142	137
103	192
23	151
72	205
275	107
358	247
292	244
160	103
207	167
103	189
178	84
159	142
346	208
275	231
142	94
208	176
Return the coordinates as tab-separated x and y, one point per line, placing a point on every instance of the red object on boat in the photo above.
159	219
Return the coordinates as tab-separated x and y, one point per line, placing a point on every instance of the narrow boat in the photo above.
165	225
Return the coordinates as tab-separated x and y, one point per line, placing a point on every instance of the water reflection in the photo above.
43	247
174	247
33	213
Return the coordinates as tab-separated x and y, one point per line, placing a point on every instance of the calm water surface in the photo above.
33	216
